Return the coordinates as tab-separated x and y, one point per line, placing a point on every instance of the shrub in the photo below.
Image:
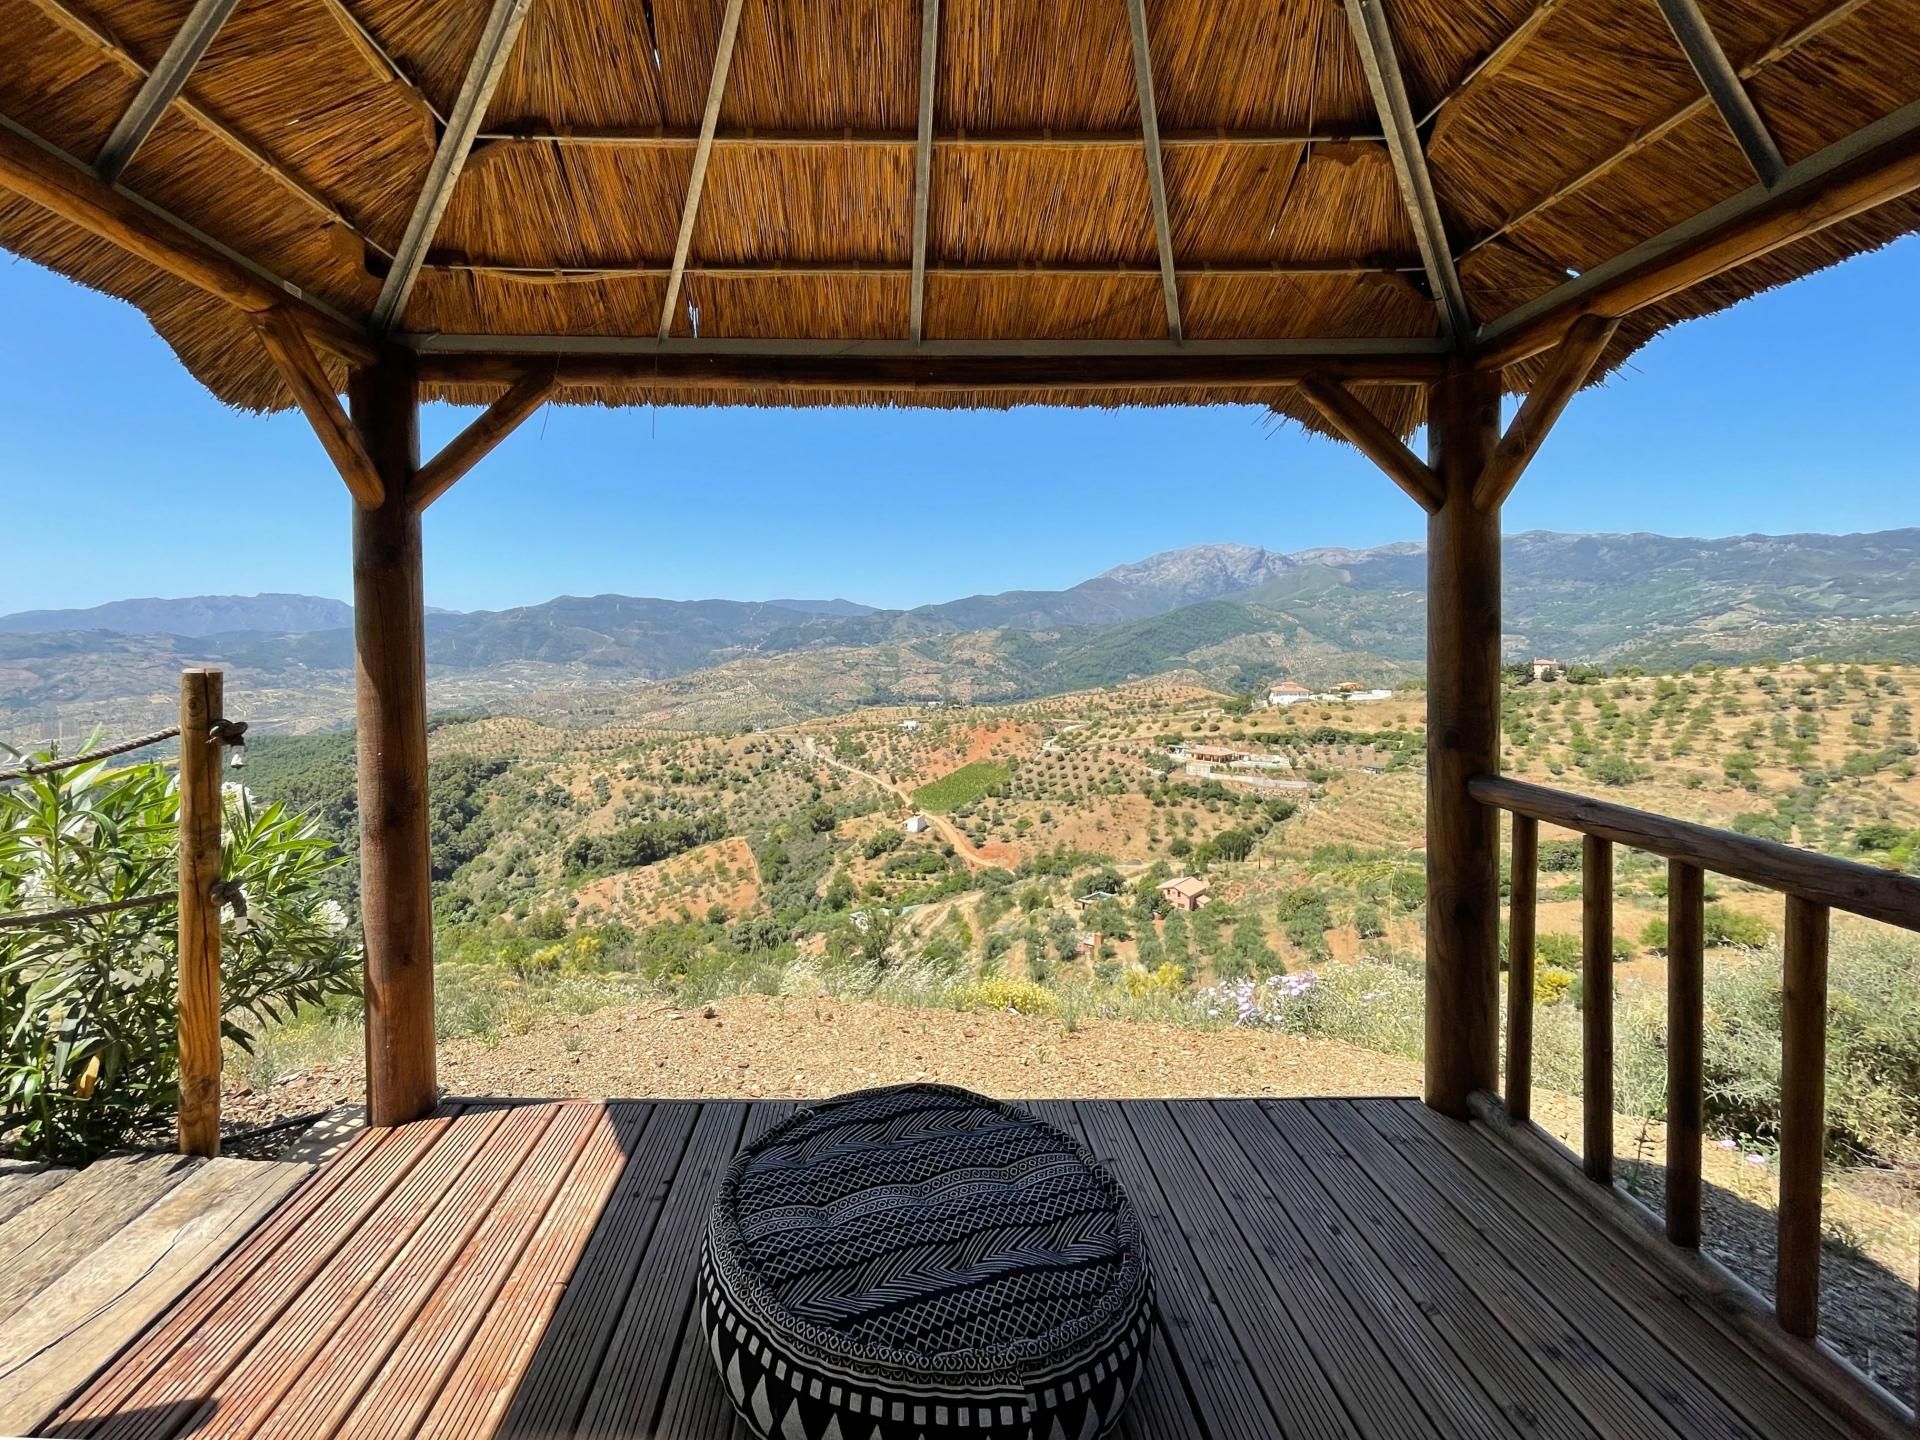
1551	984
89	1051
1731	927
998	992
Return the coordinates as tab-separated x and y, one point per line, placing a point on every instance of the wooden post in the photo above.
1803	1115
1463	740
1686	1048
389	641
1523	885
201	699
1596	1007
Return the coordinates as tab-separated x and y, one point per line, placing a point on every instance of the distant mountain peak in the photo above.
192	615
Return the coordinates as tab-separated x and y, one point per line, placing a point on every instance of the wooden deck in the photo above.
1324	1268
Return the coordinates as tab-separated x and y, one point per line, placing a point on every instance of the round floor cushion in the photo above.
921	1261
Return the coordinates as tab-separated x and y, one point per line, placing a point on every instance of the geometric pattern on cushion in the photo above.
922	1263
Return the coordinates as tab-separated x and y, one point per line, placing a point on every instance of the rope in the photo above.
105	907
105	752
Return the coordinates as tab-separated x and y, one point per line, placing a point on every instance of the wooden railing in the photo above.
1814	885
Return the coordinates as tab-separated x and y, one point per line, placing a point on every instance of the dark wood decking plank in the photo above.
202	1340
1161	1408
24	1181
1226	1331
1281	1138
696	1405
43	1241
1282	1213
1666	1305
1613	1320
633	1376
96	1308
512	1326
561	1373
278	1355
1544	1306
353	1352
427	1350
1279	1296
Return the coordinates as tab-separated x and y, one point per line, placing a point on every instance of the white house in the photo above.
1287	692
915	824
909	725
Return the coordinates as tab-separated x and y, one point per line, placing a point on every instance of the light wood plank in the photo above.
1803	1114
1349	415
313	392
82	1321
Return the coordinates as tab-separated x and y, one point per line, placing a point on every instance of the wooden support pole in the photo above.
1596	1008
1573	361
313	392
477	441
1463	740
1346	413
389	640
1523	885
1686	1048
1803	1115
201	701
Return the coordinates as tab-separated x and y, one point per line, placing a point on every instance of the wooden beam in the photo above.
1496	60
944	368
1374	37
86	30
382	63
703	152
198	1008
991	269
478	440
669	137
1463	740
1660	129
389	629
313	392
923	161
1156	166
165	81
484	69
66	186
1346	413
1573	361
1523	889
1723	87
1686	1047
1869	168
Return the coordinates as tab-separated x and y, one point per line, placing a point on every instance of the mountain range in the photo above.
1226	614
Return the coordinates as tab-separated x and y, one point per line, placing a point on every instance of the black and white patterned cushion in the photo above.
921	1261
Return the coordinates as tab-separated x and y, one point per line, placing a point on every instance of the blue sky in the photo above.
1791	412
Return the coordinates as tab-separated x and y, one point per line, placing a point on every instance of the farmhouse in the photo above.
1288	692
1185	892
909	725
1548	669
916	824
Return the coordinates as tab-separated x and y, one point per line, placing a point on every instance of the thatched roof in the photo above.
1544	138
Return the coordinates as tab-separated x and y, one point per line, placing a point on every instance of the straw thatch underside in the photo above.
303	145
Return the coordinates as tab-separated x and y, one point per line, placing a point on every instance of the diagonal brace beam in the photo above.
1573	361
923	161
163	84
1374	37
484	70
1349	415
478	440
1723	87
313	392
702	153
1156	163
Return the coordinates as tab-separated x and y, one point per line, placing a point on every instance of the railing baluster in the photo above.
197	1008
1596	1002
1686	1048
1523	883
1803	1115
